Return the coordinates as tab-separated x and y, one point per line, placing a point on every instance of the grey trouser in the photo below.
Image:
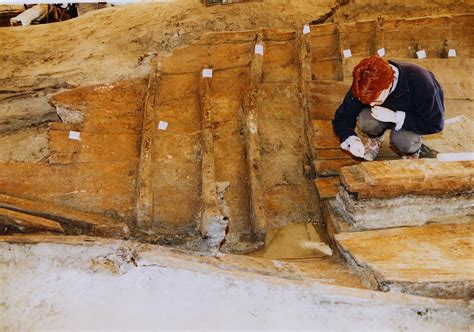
403	140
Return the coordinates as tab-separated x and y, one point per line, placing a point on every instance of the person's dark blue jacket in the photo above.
417	93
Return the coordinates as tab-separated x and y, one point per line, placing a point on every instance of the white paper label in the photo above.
306	29
347	53
421	54
75	135
207	73
259	49
455	156
452	53
381	52
162	125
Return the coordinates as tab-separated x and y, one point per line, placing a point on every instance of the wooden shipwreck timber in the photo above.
228	139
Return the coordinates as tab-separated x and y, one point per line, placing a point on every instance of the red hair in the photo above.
370	77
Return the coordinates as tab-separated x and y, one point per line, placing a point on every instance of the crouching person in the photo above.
389	95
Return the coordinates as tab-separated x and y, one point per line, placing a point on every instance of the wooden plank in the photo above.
144	204
325	98
323	135
191	58
360	37
75	222
95	188
228	93
303	46
432	260
402	35
332	154
213	223
401	177
278	34
252	147
114	108
26	223
327	187
326	63
332	167
92	147
177	156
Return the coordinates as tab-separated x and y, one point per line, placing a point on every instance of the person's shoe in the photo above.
372	148
427	152
415	155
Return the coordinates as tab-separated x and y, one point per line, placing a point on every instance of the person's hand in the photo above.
383	114
357	148
354	145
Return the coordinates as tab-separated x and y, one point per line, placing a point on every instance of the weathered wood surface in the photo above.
92	147
27	145
24	102
332	167
252	145
144	209
402	35
401	177
329	157
327	187
335	224
87	187
115	108
213	223
324	136
432	260
236	201
25	112
328	154
71	220
27	223
325	51
359	37
177	155
288	195
325	98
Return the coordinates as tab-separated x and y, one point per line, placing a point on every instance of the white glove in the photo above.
354	145
387	115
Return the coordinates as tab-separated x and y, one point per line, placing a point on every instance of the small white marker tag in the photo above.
207	73
347	53
381	52
259	49
306	29
162	125
75	135
452	53
421	54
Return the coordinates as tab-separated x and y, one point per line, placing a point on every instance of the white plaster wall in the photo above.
53	286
